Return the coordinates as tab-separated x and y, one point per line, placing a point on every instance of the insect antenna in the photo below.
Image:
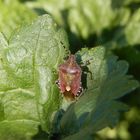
66	50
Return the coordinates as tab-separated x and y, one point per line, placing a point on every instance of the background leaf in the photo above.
12	15
132	30
72	14
84	21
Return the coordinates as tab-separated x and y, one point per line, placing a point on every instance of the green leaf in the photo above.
82	18
132	30
28	94
114	23
12	15
98	107
127	33
128	2
80	136
18	115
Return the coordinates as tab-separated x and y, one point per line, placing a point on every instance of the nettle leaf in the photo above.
127	34
18	116
132	30
128	2
12	15
28	94
83	19
105	20
98	107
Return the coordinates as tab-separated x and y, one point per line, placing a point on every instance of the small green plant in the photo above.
29	97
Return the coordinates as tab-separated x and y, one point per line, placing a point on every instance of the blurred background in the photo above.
114	24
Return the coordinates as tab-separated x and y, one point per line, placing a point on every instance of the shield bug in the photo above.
69	79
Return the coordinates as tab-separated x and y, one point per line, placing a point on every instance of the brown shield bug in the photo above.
69	78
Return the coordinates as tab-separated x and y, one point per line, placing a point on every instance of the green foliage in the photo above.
79	14
12	15
132	30
29	97
93	17
98	107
